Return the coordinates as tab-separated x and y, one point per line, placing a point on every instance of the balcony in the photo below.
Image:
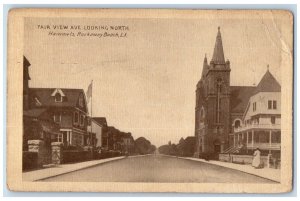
258	126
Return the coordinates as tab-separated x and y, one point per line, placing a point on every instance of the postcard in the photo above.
150	100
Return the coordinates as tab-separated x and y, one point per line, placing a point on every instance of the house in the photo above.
127	143
68	109
260	126
96	128
109	138
114	139
37	123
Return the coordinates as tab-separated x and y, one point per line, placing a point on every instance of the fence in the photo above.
266	161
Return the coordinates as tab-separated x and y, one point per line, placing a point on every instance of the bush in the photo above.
73	156
73	148
106	154
209	156
30	160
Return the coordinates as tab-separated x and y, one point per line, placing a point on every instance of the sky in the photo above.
145	83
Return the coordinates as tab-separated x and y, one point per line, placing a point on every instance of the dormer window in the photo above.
58	97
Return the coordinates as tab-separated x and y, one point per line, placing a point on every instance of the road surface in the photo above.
158	168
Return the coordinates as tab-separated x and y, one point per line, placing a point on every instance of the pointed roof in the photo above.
268	83
205	67
26	65
218	55
239	97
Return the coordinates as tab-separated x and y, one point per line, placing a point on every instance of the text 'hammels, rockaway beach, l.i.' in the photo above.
101	31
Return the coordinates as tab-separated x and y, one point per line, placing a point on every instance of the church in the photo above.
219	107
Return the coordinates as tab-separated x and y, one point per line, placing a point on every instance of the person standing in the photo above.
256	158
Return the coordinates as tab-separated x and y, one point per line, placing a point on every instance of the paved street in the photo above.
157	168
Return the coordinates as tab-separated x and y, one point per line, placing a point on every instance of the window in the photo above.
59	138
58	97
237	123
274	104
254	106
76	117
57	117
81	120
273	120
269	104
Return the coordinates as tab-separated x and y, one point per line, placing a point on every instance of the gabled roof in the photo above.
239	97
43	95
218	55
100	120
268	84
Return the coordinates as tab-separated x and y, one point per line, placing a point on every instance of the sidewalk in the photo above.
268	173
63	168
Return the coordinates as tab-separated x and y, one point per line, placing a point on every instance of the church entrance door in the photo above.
217	148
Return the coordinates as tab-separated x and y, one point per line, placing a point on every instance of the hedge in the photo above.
30	160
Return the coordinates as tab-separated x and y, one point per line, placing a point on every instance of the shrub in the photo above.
30	160
73	156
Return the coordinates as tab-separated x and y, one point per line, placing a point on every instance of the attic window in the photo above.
58	97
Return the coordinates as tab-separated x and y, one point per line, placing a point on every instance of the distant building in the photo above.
127	143
114	139
220	107
260	126
96	129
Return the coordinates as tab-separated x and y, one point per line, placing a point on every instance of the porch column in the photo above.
252	139
270	140
238	140
68	138
234	139
247	141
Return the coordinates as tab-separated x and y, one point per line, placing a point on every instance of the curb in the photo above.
100	162
232	169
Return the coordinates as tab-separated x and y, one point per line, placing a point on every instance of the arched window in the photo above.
58	97
237	123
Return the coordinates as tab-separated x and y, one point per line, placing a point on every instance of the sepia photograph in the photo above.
150	100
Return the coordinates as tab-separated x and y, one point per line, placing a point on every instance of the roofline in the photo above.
96	122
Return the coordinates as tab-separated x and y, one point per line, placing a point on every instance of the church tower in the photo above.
212	122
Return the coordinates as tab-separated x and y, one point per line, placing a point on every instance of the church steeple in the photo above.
205	67
218	55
